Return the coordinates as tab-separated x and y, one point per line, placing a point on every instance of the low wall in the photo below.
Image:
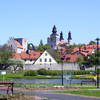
66	66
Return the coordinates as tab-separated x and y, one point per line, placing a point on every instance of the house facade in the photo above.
46	58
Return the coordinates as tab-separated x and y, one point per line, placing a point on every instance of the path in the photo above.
50	95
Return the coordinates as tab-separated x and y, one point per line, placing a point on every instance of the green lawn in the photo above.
20	75
84	92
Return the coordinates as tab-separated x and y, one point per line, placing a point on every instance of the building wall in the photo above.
23	43
12	43
66	66
28	61
53	40
45	56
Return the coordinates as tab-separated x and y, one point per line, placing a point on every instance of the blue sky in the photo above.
34	19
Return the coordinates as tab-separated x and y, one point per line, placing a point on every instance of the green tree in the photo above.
42	47
69	49
5	54
94	59
54	53
41	43
92	42
79	59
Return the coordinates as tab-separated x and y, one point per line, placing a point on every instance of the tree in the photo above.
54	53
79	59
41	43
15	63
5	54
42	47
94	59
92	42
69	49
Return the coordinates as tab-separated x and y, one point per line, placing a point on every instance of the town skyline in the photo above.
34	20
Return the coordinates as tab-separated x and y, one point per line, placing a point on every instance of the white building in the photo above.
18	44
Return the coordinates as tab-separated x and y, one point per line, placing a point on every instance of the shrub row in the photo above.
43	71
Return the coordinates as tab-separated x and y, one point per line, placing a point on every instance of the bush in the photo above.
41	71
31	73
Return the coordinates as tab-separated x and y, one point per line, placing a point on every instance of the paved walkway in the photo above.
50	95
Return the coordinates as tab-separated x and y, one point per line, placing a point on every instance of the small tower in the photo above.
61	36
53	40
69	38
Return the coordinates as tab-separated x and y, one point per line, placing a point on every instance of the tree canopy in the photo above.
5	54
15	63
94	59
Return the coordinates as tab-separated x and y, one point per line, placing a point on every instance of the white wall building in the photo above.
18	45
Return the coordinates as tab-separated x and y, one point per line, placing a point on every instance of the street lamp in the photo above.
97	39
62	67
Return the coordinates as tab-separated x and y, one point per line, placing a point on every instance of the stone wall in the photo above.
66	66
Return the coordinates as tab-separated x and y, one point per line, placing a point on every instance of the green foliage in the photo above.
41	43
31	73
85	92
94	59
69	49
92	42
42	47
79	59
41	71
5	54
54	53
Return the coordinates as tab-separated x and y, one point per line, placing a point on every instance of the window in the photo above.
68	58
45	60
45	54
40	60
50	60
34	54
30	59
77	53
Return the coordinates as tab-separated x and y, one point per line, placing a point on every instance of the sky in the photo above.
34	20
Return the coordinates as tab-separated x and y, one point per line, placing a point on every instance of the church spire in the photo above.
54	30
69	36
61	36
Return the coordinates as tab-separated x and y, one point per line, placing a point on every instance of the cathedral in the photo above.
55	40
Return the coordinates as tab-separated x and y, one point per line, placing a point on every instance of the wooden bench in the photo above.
10	86
87	81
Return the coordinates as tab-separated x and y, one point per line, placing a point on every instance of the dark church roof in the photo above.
69	35
61	36
54	31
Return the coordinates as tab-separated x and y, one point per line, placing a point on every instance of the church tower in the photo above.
69	38
53	40
61	36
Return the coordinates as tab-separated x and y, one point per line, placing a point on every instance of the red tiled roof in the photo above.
61	42
17	55
75	49
18	44
70	57
31	55
62	48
